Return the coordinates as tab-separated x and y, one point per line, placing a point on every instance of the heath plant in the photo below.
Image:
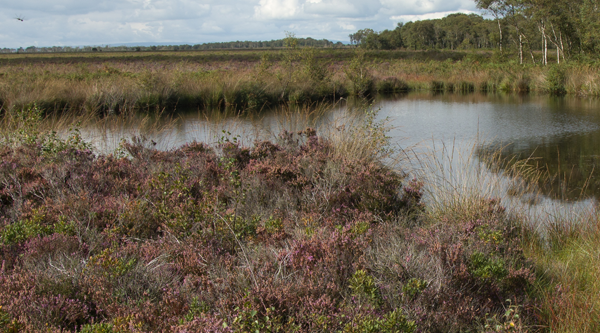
305	232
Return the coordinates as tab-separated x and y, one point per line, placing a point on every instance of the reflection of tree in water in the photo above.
570	165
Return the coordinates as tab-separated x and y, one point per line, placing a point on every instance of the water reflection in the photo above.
558	134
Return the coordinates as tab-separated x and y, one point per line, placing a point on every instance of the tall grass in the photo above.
561	239
120	83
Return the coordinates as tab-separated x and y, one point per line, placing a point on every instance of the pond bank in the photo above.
244	80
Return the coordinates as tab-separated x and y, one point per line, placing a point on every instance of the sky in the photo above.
101	22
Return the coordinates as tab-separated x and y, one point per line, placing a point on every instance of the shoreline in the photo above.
252	80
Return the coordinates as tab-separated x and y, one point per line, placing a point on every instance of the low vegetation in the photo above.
302	233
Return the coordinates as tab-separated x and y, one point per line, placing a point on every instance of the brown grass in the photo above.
120	82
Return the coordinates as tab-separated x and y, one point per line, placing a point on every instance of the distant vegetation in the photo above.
458	53
252	80
238	45
529	30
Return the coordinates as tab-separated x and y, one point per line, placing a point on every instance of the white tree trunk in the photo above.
500	30
520	48
545	43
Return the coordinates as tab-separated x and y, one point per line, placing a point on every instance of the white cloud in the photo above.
342	8
142	29
277	9
429	16
416	7
210	27
94	22
347	26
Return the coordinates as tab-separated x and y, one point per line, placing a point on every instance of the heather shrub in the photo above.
452	274
304	233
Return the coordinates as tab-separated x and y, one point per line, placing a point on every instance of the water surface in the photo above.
557	134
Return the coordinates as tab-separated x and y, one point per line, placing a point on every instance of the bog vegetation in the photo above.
301	233
309	231
255	80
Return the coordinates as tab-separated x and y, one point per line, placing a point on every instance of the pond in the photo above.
558	135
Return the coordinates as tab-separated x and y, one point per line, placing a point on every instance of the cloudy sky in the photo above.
98	22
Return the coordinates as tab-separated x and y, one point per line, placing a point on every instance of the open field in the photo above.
253	79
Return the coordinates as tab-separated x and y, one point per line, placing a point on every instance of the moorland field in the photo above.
318	230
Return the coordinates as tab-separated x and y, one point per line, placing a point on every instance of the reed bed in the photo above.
251	80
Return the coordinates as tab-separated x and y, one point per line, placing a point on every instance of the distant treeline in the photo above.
455	31
270	44
571	29
205	46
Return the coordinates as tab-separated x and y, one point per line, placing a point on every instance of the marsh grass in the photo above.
253	80
567	258
559	237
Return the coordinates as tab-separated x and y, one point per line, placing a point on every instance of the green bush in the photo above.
555	80
392	322
414	287
359	75
25	229
97	328
363	286
487	268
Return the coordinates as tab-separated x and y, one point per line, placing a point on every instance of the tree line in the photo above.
525	27
279	43
455	31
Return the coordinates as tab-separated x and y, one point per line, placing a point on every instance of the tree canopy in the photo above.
569	28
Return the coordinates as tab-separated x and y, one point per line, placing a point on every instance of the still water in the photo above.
559	135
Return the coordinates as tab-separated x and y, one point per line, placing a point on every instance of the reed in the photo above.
250	80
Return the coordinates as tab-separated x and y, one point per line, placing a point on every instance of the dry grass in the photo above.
560	238
117	83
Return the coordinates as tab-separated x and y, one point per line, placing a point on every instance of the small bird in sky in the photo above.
20	18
